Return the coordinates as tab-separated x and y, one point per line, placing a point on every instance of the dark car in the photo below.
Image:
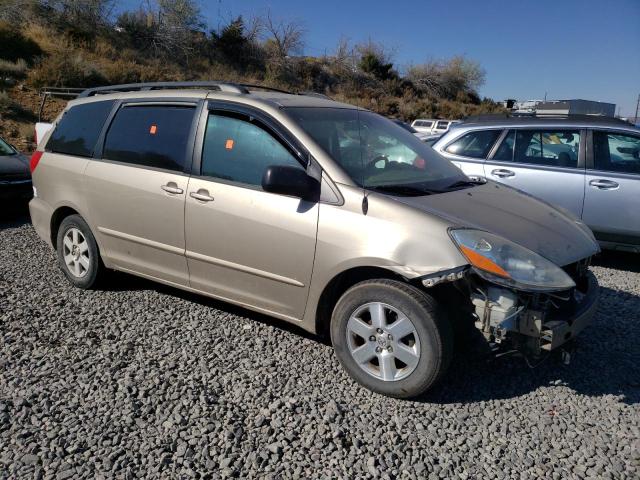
15	177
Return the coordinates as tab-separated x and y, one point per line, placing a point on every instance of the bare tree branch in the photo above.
287	36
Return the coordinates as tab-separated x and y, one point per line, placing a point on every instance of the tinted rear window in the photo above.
616	152
151	136
78	129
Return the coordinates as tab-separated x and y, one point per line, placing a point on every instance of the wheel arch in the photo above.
342	282
57	217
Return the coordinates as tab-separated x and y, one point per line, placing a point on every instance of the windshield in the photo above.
375	152
5	149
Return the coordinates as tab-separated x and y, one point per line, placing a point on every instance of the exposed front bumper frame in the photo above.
556	332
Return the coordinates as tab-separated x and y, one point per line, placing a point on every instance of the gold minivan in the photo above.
313	211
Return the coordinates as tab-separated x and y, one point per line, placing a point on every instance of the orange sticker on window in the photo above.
229	144
153	129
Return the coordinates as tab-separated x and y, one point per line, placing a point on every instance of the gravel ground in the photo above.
140	380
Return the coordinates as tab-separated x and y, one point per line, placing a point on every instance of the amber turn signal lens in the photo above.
483	263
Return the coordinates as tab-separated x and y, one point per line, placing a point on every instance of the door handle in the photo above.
603	184
172	187
502	173
202	195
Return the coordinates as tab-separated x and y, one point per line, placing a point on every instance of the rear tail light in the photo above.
35	159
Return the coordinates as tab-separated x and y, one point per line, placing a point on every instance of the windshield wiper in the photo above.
405	190
460	184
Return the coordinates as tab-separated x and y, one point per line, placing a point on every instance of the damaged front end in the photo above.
534	323
520	300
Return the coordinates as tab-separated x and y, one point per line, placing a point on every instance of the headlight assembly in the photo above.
506	263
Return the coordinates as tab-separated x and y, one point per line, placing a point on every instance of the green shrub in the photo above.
14	45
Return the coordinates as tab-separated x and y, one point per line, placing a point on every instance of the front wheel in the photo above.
391	337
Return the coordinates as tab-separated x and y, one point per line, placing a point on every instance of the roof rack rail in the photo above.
206	84
544	116
145	86
263	87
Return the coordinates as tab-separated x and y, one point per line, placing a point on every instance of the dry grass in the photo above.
13	70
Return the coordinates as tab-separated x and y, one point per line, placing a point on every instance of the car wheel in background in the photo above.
391	337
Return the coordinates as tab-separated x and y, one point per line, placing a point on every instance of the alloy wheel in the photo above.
75	251
383	341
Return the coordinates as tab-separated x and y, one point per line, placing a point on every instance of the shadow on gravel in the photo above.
627	261
124	282
606	361
14	215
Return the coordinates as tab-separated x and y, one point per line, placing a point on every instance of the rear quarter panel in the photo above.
59	181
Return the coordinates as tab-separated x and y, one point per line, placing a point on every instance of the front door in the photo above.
243	244
612	193
548	164
136	192
469	151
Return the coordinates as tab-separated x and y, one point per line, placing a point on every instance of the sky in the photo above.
587	49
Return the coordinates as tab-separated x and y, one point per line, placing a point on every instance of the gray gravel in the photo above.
145	381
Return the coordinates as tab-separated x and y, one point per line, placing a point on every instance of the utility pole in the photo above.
637	107
219	8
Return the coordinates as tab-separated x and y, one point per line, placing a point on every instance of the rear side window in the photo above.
78	130
554	148
150	136
240	151
442	125
616	152
474	144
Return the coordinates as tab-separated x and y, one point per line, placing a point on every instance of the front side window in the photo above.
79	128
239	150
150	136
474	144
442	125
556	148
616	152
375	152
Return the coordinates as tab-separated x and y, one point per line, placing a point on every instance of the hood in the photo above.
15	166
556	235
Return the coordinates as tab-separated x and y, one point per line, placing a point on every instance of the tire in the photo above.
79	259
385	372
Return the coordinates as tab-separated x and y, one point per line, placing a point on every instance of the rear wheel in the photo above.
391	337
78	254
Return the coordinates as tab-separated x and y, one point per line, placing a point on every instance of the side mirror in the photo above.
291	181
